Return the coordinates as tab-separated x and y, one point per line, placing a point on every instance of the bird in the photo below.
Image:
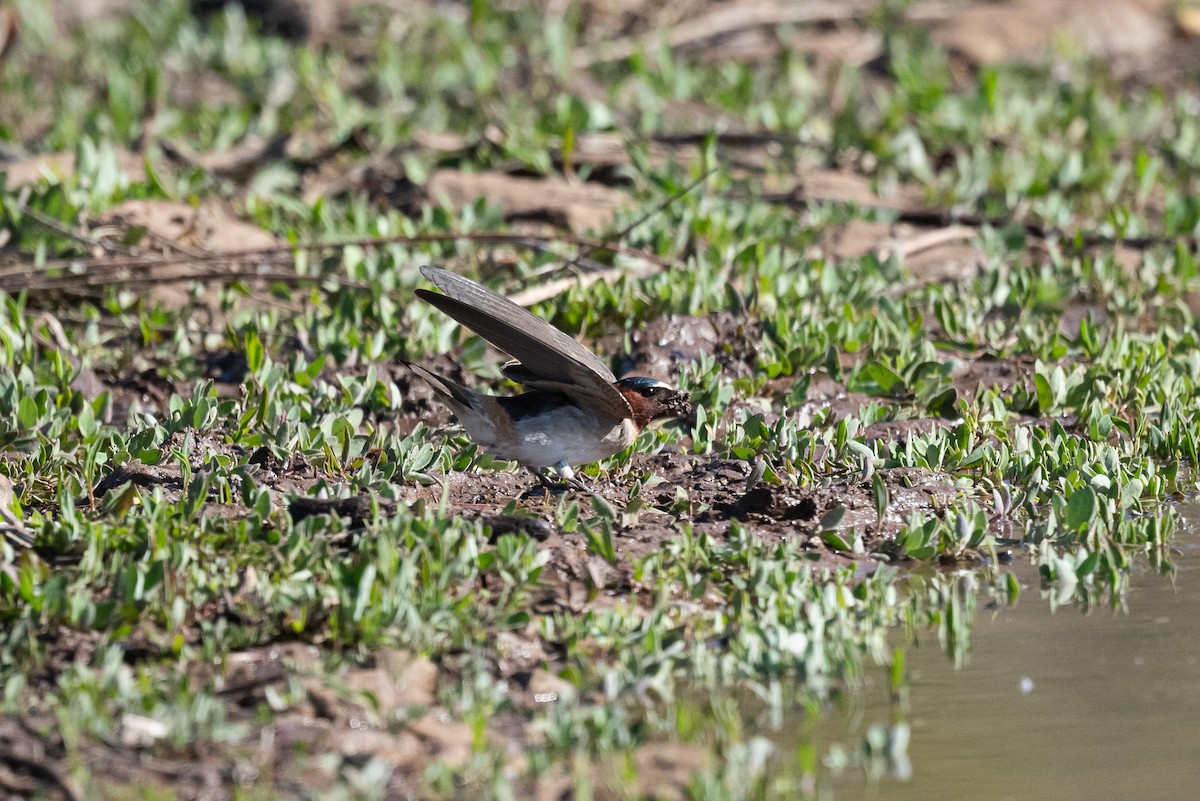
575	411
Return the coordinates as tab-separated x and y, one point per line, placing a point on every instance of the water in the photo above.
1062	705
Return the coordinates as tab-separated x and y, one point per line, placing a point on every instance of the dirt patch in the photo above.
343	712
389	707
661	347
421	404
825	392
715	492
985	371
31	764
384	710
843	186
797	513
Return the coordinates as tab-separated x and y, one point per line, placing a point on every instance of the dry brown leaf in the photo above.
577	206
855	239
191	230
948	262
990	33
841	186
722	20
545	688
830	48
207	227
6	492
608	150
665	770
447	740
31	169
70	13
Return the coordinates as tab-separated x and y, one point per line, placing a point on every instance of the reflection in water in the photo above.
1058	704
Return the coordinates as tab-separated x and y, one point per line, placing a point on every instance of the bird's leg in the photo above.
570	479
567	479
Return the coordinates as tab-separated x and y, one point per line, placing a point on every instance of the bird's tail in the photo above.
455	395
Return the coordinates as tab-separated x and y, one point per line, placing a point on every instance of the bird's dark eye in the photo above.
650	392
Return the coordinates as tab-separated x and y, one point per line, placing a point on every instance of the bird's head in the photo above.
651	399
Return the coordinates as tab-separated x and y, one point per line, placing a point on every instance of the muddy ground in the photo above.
386	708
305	750
333	728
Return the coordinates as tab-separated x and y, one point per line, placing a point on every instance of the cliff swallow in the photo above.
576	411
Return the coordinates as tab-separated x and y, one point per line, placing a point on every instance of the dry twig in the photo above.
69	276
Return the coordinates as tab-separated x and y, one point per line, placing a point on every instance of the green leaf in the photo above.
569	517
133	235
1045	395
835	541
1080	508
896	677
945	404
601	543
603	508
1012	588
365	583
889	381
880	494
255	354
27	413
86	420
831	519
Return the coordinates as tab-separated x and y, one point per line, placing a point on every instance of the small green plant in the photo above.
233	469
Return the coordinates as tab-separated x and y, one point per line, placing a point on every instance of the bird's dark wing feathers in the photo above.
550	360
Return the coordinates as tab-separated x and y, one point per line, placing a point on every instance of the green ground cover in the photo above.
232	514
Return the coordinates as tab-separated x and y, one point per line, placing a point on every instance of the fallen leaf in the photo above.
991	33
208	226
31	169
577	206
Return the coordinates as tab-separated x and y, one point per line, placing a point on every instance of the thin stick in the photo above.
927	240
545	291
624	232
24	270
550	289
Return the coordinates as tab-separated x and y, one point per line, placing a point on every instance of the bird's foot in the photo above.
567	480
546	488
578	484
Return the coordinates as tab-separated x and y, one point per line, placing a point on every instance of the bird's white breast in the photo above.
567	434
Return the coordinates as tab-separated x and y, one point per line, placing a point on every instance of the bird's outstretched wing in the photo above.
549	359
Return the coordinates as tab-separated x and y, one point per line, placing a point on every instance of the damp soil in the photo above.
387	705
348	709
